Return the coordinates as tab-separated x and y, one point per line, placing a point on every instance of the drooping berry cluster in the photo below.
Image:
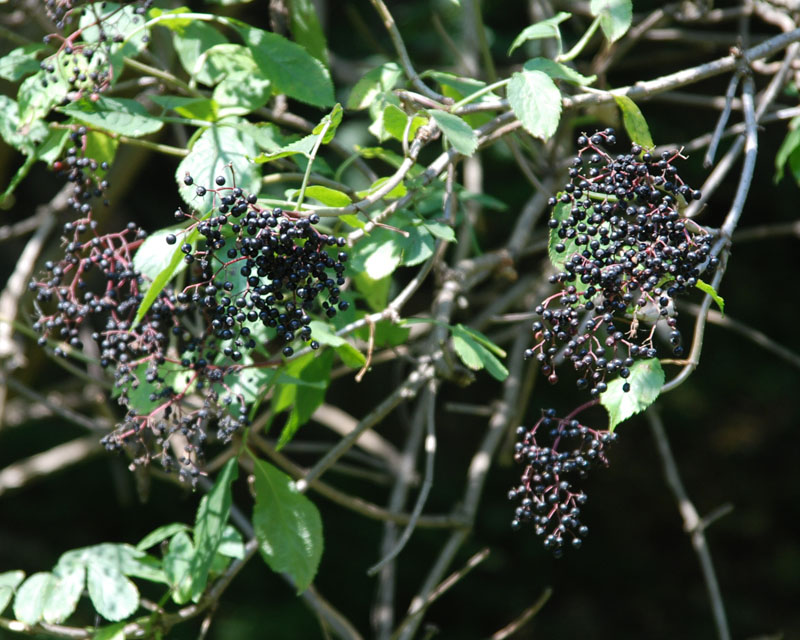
624	252
556	452
253	278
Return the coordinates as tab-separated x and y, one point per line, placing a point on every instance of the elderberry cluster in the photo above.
252	278
556	452
625	253
84	65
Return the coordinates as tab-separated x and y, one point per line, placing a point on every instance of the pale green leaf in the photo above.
64	598
646	379
117	115
558	71
154	255
373	84
32	597
634	122
191	41
19	62
615	16
9	581
544	29
160	534
177	562
707	288
536	101
457	132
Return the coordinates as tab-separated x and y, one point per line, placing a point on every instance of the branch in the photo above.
692	523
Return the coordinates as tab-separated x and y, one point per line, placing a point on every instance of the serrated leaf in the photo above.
177	562
64	598
544	29
119	21
160	534
634	122
307	30
118	115
287	525
558	71
290	68
15	132
646	380
242	86
217	151
9	581
32	596
707	288
458	133
19	62
302	146
37	95
372	84
615	17
536	101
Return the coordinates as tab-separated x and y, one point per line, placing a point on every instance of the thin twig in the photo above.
723	120
514	626
692	523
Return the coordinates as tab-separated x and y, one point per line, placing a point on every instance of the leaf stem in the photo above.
312	155
579	46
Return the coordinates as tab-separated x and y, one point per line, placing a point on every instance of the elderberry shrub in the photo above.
626	253
556	452
253	278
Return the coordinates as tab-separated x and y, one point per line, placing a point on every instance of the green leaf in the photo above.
290	67
15	132
302	146
242	87
212	516
306	29
469	345
558	71
561	212
373	84
323	334
329	123
113	595
102	148
328	196
154	255
160	534
397	192
37	95
303	399
177	562
191	41
122	558
212	153
162	279
458	133
118	115
196	108
707	288
353	220
32	597
118	21
19	62
418	246
287	525
544	29
615	17
9	581
440	230
481	338
64	598
634	122
646	380
536	101
231	545
385	257
790	143
111	632
375	292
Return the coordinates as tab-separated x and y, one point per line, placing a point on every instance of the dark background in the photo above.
732	425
